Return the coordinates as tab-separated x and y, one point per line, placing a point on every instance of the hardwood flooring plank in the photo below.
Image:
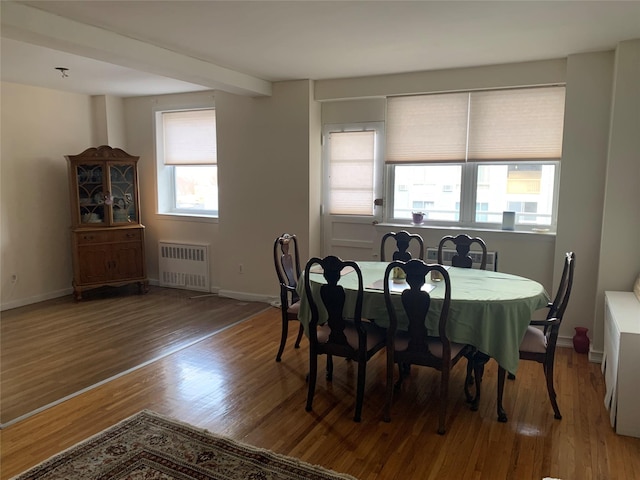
54	349
231	385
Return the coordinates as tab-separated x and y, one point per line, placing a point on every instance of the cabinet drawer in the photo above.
88	238
128	235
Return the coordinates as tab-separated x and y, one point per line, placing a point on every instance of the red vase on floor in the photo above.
580	340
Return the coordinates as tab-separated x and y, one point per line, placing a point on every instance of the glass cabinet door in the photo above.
91	193
122	199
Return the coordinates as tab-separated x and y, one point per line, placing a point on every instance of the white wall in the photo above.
39	127
108	128
584	160
264	156
619	264
495	76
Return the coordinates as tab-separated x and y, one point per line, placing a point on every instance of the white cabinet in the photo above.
621	361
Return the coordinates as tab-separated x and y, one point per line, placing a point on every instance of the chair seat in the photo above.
534	341
401	343
294	309
375	334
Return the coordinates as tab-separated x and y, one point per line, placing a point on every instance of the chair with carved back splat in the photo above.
415	346
463	259
288	271
350	336
463	243
539	344
403	240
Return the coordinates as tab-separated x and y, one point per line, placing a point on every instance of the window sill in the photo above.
186	217
461	229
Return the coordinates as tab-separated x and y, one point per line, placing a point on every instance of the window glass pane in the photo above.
196	188
436	188
351	163
526	189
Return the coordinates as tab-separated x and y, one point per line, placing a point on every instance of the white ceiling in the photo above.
129	48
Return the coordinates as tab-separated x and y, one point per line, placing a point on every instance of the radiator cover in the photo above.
183	266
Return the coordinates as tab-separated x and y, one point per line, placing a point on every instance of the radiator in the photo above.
183	266
447	253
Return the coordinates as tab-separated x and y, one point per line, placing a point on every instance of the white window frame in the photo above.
468	190
165	174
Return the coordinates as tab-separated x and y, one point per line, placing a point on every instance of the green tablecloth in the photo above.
489	310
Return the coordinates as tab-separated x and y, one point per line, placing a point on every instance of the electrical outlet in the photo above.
14	278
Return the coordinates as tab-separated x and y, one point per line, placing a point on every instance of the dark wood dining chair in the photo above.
415	346
539	343
288	271
344	334
462	258
403	240
462	243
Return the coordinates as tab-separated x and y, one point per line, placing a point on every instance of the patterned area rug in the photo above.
148	446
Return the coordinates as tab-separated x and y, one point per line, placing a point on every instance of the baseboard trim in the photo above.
595	356
244	296
35	299
247	297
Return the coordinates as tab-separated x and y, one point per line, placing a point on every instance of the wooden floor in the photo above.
231	385
56	348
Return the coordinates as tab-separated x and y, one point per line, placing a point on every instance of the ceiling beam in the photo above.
30	25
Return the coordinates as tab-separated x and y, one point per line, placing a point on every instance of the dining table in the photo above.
489	310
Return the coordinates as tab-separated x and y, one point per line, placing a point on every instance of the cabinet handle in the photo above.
130	235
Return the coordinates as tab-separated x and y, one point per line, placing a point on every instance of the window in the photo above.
187	162
351	153
438	202
473	155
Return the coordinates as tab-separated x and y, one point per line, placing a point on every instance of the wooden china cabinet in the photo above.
107	238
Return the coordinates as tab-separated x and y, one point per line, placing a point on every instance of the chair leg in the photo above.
313	373
362	374
401	376
283	337
300	333
548	373
329	368
469	377
479	362
502	415
387	404
444	398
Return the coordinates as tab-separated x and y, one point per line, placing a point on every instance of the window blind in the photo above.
516	124
189	137
427	128
351	160
520	124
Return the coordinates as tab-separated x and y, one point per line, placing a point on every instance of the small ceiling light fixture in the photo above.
63	71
